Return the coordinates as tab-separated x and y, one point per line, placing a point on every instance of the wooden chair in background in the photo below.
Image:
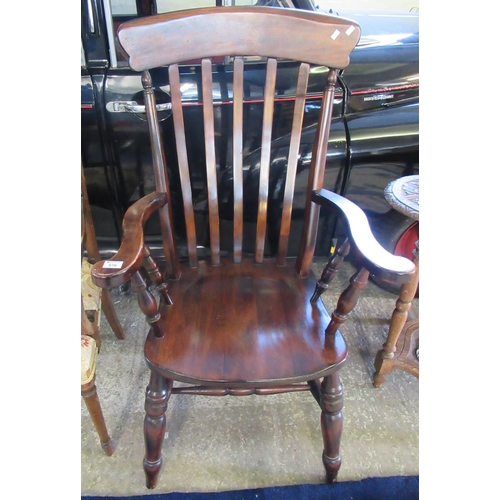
241	324
93	301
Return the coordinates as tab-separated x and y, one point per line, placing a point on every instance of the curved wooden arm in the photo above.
373	256
127	261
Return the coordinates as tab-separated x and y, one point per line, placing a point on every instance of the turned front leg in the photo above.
384	360
157	396
331	424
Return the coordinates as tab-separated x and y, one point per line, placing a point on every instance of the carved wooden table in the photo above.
401	349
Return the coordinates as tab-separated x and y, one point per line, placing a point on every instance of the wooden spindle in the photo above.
155	275
348	300
331	269
161	180
316	176
147	303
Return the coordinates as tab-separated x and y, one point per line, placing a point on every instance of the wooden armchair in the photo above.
94	300
238	324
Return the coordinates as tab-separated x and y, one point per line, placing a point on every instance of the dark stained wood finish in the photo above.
238	158
238	31
161	180
260	312
331	403
154	273
208	123
316	176
129	258
157	396
265	158
182	158
247	325
293	157
331	269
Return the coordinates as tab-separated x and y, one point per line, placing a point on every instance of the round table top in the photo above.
402	195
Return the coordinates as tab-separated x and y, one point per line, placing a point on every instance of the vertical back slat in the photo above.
208	124
267	127
293	157
238	158
180	141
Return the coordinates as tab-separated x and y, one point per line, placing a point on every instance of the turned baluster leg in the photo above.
156	277
157	396
331	269
348	300
147	303
331	401
89	393
384	360
331	424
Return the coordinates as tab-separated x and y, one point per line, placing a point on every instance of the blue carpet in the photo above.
372	488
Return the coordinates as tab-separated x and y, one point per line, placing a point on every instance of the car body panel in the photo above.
374	133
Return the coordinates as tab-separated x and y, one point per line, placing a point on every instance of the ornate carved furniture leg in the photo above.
331	424
157	396
385	359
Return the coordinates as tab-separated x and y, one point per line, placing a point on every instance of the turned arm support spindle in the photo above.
147	303
154	273
331	269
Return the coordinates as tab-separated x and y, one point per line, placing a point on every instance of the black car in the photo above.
374	135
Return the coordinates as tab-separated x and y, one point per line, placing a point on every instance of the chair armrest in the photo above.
128	260
376	259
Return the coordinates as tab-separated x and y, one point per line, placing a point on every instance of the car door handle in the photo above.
133	107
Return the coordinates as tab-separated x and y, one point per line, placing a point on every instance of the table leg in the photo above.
385	359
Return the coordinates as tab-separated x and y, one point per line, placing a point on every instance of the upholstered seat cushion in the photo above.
91	293
89	356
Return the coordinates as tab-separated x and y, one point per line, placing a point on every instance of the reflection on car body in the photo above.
374	133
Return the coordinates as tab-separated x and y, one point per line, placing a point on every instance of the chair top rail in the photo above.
180	36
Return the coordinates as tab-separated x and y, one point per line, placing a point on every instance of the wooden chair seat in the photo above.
261	312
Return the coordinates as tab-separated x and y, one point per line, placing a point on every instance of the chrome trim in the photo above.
90	9
109	29
133	107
